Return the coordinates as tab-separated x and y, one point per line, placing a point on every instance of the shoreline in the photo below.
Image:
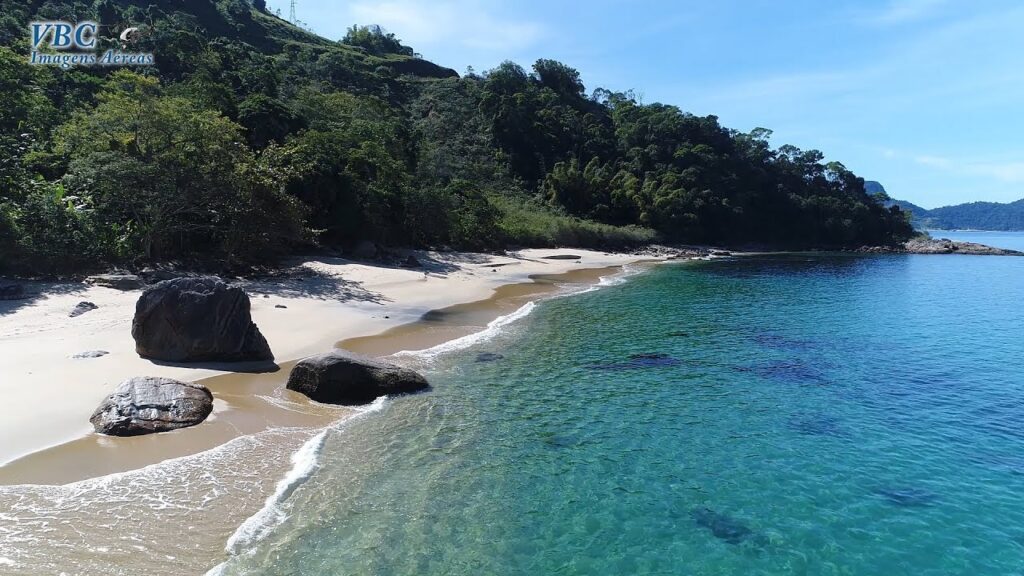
247	403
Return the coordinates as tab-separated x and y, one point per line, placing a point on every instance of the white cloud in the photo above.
476	25
1009	172
903	11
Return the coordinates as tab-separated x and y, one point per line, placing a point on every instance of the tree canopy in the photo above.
251	138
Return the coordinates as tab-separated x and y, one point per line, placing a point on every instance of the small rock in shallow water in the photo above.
91	354
721	526
341	377
789	371
279	306
488	357
817	425
638	361
82	308
908	497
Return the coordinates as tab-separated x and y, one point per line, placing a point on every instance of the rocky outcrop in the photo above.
147	405
341	377
411	262
197	320
117	281
945	246
82	308
941	246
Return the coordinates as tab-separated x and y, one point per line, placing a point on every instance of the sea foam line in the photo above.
492	330
494	327
305	463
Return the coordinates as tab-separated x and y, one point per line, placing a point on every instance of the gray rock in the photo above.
198	319
341	377
562	257
82	308
158	275
365	250
411	262
12	292
147	405
117	281
90	354
922	245
279	306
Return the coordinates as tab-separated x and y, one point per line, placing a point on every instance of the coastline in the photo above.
329	302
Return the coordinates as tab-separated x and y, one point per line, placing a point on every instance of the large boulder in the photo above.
147	405
197	320
341	377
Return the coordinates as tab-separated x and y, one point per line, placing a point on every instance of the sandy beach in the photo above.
320	302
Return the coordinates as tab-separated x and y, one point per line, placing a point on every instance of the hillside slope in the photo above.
251	138
969	216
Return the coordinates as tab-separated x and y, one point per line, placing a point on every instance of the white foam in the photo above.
305	462
492	330
7	562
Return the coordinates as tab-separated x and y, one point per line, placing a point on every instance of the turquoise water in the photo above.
775	415
1011	240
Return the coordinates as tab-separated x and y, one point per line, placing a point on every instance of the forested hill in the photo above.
251	138
968	216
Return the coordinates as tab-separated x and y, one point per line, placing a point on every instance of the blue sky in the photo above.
924	96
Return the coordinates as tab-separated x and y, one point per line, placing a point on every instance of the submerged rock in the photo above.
563	257
787	371
488	357
908	496
82	308
721	526
638	361
117	281
197	320
342	377
817	425
147	405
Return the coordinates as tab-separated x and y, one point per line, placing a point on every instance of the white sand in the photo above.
48	396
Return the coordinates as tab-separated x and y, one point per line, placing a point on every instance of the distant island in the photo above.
968	216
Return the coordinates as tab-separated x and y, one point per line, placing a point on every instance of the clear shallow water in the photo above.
1010	240
810	415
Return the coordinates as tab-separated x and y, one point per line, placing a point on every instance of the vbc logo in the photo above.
64	35
71	42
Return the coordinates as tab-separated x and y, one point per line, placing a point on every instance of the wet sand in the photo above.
247	404
171	502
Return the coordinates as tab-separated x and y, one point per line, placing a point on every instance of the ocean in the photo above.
779	414
1010	240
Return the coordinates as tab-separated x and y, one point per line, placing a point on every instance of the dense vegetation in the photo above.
252	138
969	216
